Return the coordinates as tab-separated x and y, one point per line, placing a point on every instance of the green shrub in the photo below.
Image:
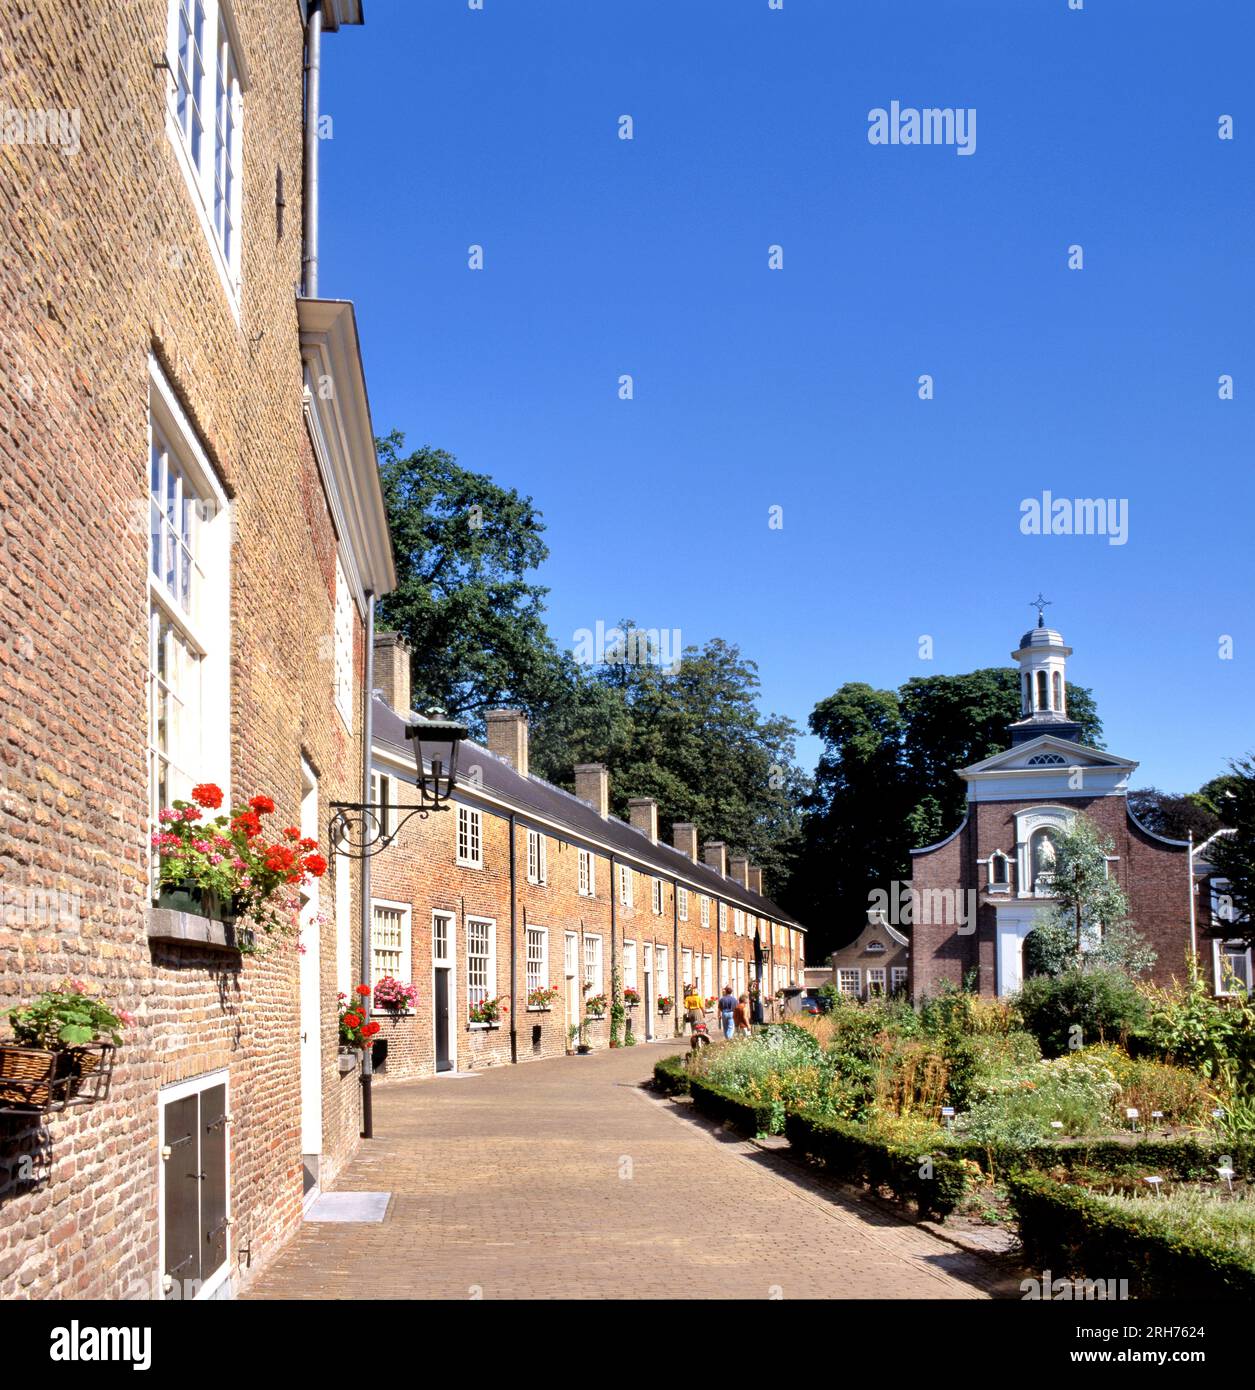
934	1180
1186	1024
971	1059
1183	1096
671	1077
1071	1231
1077	1009
719	1103
1017	1105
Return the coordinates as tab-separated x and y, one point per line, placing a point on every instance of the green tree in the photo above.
465	550
1174	816
1233	856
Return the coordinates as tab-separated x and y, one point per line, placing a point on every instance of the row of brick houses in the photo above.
193	538
521	886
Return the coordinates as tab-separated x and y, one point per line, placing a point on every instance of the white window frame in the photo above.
405	963
537	858
847	975
625	886
629	965
738	922
705	911
199	167
197	610
594	967
657	897
1219	950
382	794
538	979
682	902
470	832
490	963
723	916
708	972
180	1091
444	961
686	965
662	972
876	975
587	874
898	976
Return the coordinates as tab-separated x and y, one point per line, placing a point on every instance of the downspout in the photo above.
614	920
313	72
368	724
1193	925
675	954
514	946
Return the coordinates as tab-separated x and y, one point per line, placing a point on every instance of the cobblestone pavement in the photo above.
564	1179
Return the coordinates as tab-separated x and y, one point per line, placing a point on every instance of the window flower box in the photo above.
631	997
542	998
488	1012
665	1003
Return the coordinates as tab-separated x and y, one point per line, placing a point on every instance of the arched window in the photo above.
1047	760
1028	693
1057	680
1042	701
1042	856
998	869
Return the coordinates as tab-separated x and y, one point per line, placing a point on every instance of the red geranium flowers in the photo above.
207	795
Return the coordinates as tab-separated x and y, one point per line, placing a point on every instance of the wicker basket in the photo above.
28	1076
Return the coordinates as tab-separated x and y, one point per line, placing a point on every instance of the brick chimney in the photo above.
643	814
739	869
592	783
684	837
716	856
507	737
755	884
392	670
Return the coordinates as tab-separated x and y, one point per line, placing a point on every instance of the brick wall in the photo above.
105	262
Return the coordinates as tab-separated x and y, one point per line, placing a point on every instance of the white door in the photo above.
571	968
310	992
1013	925
647	961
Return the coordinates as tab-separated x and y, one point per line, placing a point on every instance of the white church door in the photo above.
1014	922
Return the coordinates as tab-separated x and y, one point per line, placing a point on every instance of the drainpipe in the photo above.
514	946
675	953
368	1130
614	898
313	71
1193	927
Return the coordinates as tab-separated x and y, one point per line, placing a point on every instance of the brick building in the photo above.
192	534
521	886
977	893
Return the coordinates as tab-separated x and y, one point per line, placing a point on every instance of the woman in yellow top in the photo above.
693	1005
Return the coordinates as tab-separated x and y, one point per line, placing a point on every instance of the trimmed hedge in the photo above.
670	1076
719	1104
934	1182
1184	1159
1065	1230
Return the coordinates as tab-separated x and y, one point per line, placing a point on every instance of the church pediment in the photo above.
1046	755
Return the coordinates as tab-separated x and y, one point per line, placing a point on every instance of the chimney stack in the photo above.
507	737
643	814
739	869
392	670
592	783
755	884
716	857
684	837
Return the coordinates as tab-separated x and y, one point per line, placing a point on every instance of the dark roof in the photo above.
542	798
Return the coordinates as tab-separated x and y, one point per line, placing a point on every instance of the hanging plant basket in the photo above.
40	1081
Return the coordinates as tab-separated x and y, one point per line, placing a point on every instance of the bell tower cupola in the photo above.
1043	659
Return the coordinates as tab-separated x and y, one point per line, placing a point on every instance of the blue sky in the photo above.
798	388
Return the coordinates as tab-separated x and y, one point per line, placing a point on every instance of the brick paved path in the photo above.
562	1179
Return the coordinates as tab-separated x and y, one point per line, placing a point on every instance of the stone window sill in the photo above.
540	1008
482	1027
187	929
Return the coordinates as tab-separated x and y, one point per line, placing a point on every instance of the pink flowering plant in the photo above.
232	858
67	1017
392	995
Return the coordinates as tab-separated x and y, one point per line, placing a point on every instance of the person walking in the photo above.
693	1005
727	1007
741	1017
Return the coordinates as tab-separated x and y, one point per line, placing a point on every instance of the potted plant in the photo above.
489	1011
576	1035
665	1003
542	997
229	867
62	1040
393	997
356	1030
710	1003
595	1005
631	997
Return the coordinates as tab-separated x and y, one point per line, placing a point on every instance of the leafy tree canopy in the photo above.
1234	855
